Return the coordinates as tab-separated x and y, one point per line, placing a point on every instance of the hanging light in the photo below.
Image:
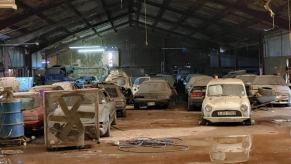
8	4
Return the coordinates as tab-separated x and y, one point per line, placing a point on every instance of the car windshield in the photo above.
119	81
140	80
269	80
152	87
112	91
226	90
29	103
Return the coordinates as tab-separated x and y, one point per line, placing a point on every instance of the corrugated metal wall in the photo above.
277	48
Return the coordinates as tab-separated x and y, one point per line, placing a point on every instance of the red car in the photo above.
32	110
32	106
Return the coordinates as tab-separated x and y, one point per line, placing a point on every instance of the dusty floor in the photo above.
271	141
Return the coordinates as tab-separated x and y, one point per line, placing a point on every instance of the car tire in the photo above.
136	106
107	134
248	122
114	121
124	113
203	122
189	107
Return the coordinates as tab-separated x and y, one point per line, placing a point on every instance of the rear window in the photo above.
152	87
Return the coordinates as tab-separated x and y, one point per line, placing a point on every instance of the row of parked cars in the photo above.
111	103
231	99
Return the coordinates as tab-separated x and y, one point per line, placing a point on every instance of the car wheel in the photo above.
107	134
203	122
124	113
114	121
189	107
136	106
248	122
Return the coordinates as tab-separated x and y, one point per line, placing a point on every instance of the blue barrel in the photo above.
11	120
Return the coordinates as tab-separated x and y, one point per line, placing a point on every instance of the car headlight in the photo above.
208	108
243	107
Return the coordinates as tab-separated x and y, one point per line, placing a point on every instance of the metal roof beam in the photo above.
27	13
258	15
192	9
137	12
161	11
130	10
53	41
79	14
40	15
64	46
108	14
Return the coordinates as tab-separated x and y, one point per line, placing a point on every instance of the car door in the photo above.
110	104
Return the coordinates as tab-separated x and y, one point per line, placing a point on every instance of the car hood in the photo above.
225	101
281	89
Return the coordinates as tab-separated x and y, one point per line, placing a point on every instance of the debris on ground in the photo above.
278	121
151	145
10	152
5	161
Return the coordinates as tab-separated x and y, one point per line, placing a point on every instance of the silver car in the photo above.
197	90
277	84
115	93
154	93
106	113
226	100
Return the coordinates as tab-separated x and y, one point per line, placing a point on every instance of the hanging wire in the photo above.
121	4
289	16
272	14
145	23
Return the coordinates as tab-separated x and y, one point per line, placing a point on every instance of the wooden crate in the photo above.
66	115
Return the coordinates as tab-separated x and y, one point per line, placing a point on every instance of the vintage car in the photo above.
121	79
154	93
276	84
197	91
67	86
137	83
191	80
106	112
226	100
33	107
115	93
32	110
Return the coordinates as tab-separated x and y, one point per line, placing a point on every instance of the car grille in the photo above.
236	113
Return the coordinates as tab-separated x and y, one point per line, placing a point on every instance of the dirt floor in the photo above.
270	140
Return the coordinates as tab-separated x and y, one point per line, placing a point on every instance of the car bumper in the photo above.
197	102
226	119
147	102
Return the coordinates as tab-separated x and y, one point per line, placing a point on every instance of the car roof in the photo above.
225	81
155	81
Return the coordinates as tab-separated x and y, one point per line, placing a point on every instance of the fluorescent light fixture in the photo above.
45	62
91	50
110	59
84	47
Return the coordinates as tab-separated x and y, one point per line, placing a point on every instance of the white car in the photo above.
226	100
137	83
275	83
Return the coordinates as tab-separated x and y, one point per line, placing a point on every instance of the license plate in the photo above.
227	113
151	104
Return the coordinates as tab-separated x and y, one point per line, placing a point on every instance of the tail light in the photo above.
196	94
